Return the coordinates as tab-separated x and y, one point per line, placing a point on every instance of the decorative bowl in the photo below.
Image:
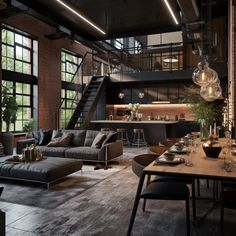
169	156
212	151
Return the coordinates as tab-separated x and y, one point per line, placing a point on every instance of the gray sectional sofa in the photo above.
80	146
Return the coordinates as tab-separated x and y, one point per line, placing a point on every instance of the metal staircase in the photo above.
87	105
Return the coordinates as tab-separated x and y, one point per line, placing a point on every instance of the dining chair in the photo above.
139	163
228	200
168	142
163	191
187	180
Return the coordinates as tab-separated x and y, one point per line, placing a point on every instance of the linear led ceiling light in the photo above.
171	12
80	16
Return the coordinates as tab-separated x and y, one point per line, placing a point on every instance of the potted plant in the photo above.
28	128
204	112
9	115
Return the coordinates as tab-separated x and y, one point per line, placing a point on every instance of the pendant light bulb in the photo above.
121	95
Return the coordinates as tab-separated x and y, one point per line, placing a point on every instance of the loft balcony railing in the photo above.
163	57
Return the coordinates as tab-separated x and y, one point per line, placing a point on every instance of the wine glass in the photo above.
225	150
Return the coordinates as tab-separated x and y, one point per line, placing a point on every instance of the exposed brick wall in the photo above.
49	66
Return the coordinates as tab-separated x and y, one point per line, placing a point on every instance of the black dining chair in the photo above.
187	180
162	191
161	188
228	200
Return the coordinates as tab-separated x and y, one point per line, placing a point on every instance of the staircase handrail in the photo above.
77	91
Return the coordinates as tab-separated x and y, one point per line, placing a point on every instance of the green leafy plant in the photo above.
28	126
203	111
9	106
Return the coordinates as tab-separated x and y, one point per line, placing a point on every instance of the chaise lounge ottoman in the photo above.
46	171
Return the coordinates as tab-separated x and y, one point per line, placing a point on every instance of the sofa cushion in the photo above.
111	137
63	141
46	136
98	141
90	136
52	151
77	138
86	153
56	133
36	136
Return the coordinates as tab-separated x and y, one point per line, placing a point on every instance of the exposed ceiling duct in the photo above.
189	10
190	19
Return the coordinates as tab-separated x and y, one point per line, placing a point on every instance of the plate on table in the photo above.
173	149
164	160
234	152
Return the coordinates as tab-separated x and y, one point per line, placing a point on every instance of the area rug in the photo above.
34	194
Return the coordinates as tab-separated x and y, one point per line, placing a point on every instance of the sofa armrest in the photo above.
113	150
22	143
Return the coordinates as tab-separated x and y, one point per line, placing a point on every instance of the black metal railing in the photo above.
79	89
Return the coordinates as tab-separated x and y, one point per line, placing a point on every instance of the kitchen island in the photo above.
155	130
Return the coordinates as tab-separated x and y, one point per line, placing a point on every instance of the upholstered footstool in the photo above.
46	171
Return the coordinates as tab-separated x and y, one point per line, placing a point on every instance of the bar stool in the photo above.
123	136
139	138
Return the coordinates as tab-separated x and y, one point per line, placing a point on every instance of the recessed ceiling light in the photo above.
171	12
81	17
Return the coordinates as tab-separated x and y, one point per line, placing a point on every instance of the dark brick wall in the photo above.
49	66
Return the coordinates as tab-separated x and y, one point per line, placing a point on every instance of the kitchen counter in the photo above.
154	130
134	122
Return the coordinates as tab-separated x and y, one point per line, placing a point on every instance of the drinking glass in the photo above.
228	164
189	151
225	150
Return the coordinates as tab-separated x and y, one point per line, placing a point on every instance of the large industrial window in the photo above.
71	78
69	66
22	92
19	51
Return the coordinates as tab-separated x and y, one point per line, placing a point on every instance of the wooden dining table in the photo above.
196	165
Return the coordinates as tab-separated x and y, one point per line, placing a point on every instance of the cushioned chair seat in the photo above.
87	153
228	199
166	191
53	151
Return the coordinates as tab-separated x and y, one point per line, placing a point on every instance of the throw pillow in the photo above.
99	139
62	141
111	137
56	133
36	136
45	137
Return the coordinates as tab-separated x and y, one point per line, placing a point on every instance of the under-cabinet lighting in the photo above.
171	12
80	16
161	102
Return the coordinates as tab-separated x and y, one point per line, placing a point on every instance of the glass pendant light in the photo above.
204	75
141	95
211	91
121	95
